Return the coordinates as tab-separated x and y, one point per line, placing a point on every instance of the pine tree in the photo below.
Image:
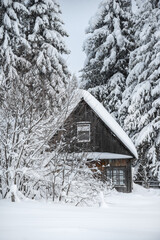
140	109
109	42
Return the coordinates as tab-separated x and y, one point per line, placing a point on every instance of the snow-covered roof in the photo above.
96	155
107	155
104	116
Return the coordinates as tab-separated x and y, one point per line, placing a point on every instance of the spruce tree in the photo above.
109	42
49	74
140	112
12	40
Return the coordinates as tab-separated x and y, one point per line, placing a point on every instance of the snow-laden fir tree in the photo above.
140	111
12	40
48	77
108	44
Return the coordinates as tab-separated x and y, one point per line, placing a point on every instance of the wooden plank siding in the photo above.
102	139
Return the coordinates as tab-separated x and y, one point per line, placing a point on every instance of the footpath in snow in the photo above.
134	216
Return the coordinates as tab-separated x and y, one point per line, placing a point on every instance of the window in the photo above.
117	175
83	132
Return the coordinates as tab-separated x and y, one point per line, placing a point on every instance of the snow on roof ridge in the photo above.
107	119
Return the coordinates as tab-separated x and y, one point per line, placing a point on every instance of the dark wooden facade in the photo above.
102	140
118	164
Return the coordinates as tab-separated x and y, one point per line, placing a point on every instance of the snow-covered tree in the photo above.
13	65
109	42
140	111
48	77
33	85
12	39
17	138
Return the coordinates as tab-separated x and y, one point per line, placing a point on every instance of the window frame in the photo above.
89	132
117	178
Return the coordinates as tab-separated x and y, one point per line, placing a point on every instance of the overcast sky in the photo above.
76	15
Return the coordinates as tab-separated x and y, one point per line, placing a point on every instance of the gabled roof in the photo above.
104	115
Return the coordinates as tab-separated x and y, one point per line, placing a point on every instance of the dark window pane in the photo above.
83	136
117	176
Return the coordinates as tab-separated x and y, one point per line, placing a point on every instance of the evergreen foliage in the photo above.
109	42
140	112
12	39
125	78
49	74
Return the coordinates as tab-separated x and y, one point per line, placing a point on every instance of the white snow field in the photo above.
126	217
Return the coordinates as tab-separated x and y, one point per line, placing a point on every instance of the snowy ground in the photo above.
127	217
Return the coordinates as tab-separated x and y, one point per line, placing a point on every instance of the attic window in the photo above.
83	132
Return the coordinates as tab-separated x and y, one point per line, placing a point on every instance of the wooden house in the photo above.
89	129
